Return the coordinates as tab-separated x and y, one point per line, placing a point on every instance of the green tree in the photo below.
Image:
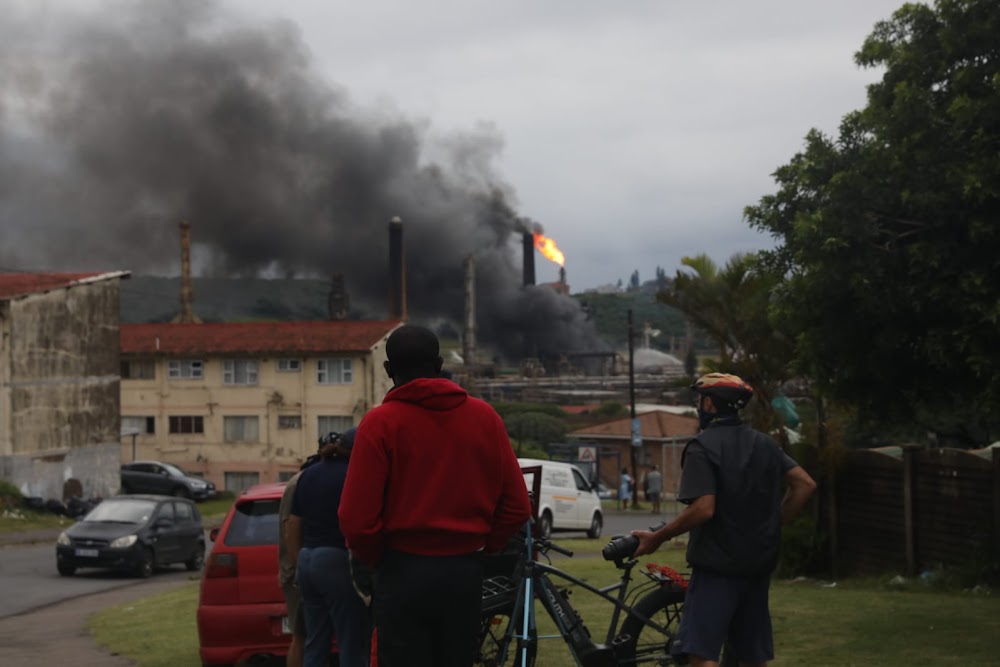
889	233
535	428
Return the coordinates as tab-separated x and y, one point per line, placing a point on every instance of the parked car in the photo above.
134	533
567	500
163	478
241	610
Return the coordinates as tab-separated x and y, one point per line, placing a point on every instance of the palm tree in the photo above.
731	306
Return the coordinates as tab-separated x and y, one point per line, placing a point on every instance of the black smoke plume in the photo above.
118	124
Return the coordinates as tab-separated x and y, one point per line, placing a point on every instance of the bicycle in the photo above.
649	610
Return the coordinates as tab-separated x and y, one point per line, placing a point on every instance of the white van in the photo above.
567	501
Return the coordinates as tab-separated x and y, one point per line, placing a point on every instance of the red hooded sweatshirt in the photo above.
432	472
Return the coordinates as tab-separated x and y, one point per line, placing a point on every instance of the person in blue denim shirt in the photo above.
331	604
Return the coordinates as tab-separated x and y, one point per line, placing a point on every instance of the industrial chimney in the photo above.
528	241
469	336
397	271
338	304
186	316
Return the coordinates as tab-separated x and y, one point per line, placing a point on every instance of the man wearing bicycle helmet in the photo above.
733	481
433	483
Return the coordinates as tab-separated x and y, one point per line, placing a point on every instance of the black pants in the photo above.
427	609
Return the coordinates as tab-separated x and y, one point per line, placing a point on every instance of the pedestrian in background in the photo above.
287	568
624	489
331	604
433	483
654	487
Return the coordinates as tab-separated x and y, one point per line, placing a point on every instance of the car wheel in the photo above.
65	569
144	568
545	525
181	492
197	561
595	526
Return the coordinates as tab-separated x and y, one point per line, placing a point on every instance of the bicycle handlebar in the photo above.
556	547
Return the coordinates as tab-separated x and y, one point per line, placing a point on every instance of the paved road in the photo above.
29	579
620	522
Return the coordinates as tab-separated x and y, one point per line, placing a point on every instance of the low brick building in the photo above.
664	434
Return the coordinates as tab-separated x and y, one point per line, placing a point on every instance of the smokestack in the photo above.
563	287
338	304
397	271
186	315
528	241
469	338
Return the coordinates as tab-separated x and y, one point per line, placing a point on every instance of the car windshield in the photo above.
174	470
122	511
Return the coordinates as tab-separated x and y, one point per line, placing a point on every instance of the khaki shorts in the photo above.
296	617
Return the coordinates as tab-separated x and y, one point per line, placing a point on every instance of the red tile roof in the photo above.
19	284
653	425
579	409
228	338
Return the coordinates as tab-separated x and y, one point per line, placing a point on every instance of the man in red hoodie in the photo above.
433	484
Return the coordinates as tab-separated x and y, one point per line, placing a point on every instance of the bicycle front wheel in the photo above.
496	641
647	645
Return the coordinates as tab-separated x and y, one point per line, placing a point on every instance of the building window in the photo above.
239	371
285	475
184	369
328	423
334	371
240	429
289	421
289	365
141	425
187	424
138	369
237	482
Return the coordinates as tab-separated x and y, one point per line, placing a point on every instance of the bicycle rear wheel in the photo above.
647	645
494	641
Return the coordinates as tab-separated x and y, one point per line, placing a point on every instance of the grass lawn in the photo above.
856	622
20	520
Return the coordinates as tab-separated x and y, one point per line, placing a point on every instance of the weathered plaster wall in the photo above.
95	466
64	390
6	444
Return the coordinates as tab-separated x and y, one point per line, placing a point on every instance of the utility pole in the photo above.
636	441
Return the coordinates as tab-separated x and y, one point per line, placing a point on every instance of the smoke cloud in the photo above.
117	124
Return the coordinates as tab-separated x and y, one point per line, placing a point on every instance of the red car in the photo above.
241	609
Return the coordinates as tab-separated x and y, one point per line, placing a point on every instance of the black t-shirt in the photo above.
317	499
744	469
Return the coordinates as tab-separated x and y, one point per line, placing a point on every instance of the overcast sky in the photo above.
634	131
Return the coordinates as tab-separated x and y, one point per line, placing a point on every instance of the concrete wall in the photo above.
61	390
276	394
94	466
6	427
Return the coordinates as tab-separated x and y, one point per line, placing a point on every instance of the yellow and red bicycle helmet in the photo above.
730	389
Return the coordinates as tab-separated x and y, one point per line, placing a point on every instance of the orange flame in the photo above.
549	249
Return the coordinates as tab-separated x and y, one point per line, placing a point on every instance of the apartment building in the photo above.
245	402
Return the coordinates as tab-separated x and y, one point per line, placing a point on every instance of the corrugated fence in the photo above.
909	508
